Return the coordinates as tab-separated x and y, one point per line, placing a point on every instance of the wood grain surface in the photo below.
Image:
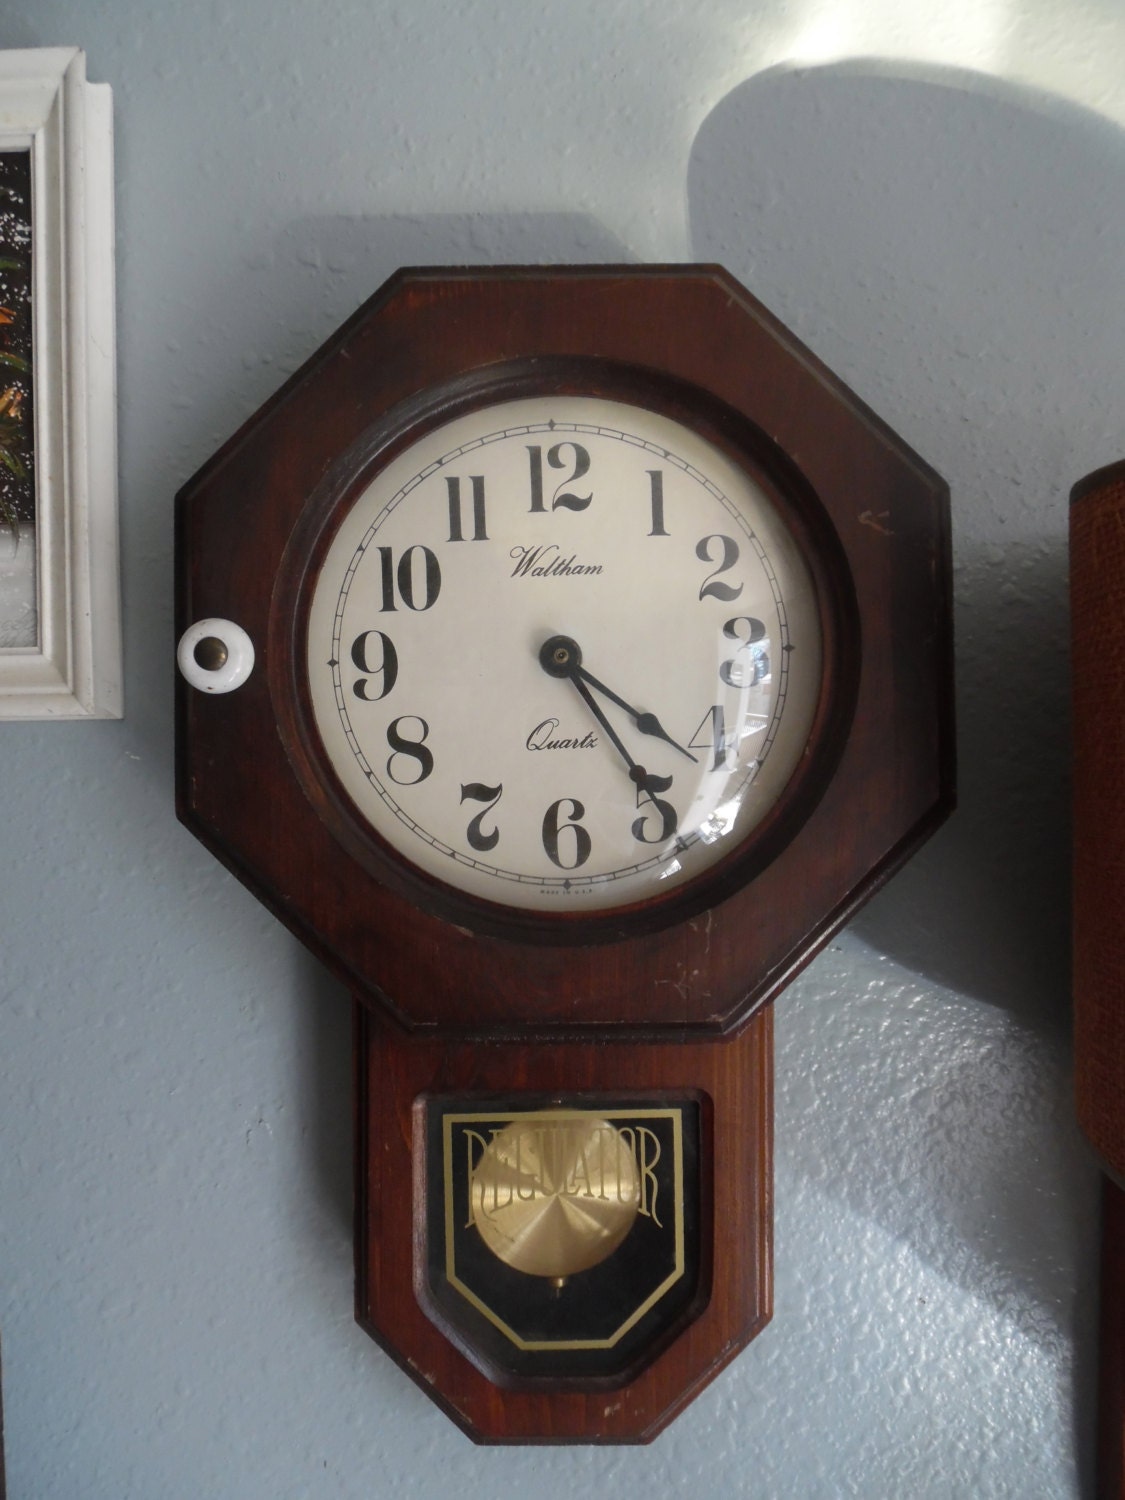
878	777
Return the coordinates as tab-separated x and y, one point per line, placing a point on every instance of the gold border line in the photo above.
671	1112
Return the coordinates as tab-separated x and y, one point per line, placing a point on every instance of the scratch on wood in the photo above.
875	521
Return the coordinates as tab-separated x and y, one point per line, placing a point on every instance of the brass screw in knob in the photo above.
211	653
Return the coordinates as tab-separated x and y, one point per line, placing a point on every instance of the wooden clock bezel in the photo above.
707	960
732	434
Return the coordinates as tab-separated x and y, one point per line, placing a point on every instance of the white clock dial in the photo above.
563	654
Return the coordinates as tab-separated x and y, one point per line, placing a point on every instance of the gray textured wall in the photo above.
175	1258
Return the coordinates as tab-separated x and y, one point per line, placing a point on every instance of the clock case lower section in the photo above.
403	1086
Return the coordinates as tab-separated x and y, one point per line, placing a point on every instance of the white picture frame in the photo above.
71	664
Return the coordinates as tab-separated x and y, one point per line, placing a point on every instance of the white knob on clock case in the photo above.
215	656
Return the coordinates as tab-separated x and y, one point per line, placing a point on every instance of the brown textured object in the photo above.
1097	582
462	1002
684	340
1097	570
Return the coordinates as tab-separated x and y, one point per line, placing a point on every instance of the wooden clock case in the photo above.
455	996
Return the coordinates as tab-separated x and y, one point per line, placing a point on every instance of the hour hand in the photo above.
646	723
559	657
562	657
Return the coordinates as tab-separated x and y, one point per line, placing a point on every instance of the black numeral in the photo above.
653	804
552	828
712	735
564	499
453	484
476	791
386	668
656	497
413	749
414	591
729	558
759	661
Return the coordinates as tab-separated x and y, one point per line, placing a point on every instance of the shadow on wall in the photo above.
952	248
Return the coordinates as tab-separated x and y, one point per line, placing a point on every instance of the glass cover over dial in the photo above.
563	653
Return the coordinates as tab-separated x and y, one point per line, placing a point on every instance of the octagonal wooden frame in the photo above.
454	996
878	537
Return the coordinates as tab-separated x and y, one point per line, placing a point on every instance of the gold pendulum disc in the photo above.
555	1193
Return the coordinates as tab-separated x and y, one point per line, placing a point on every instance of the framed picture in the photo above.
60	635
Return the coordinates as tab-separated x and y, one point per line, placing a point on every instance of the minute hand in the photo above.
637	774
646	723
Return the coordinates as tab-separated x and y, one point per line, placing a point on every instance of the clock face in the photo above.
563	654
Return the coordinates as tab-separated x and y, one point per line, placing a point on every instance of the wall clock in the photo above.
565	654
